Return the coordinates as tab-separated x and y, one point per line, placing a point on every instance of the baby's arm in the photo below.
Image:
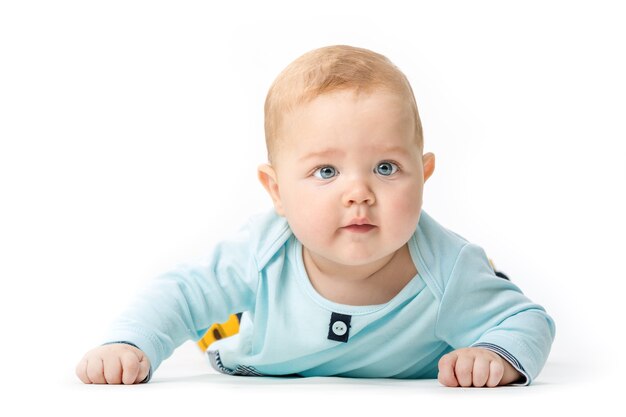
480	312
177	306
116	363
476	367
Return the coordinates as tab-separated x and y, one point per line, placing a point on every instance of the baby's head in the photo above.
345	150
327	70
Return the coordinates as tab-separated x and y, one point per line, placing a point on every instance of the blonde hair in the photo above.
329	69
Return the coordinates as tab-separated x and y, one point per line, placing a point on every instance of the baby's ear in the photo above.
428	161
269	180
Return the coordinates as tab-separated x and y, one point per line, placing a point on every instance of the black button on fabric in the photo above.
339	327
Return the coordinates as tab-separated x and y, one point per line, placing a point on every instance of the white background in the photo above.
130	133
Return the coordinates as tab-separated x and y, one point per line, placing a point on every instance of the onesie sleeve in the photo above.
480	309
182	304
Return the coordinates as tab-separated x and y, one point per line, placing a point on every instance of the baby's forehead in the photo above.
376	117
331	107
314	150
352	94
305	148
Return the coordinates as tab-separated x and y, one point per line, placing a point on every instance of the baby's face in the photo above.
349	175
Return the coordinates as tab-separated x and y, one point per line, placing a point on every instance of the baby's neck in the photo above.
375	283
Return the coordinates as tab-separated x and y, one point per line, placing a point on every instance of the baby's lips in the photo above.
360	221
359	228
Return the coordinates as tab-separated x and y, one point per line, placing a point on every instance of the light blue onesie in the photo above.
287	328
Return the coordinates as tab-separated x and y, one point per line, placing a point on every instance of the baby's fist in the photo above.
475	367
117	363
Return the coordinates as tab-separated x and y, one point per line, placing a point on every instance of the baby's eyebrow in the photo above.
322	154
325	153
395	149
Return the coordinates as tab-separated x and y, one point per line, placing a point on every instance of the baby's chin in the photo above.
357	258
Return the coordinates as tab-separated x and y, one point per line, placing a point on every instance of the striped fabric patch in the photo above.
241	370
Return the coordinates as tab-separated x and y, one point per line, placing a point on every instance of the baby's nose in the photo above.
358	192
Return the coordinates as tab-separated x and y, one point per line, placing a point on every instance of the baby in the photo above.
346	276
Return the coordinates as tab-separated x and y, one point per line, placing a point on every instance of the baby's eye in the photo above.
386	168
325	172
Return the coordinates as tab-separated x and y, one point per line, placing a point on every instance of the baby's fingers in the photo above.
134	368
112	369
130	368
481	371
446	370
81	371
144	369
95	371
464	369
496	372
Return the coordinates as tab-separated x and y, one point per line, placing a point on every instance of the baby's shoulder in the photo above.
265	233
436	250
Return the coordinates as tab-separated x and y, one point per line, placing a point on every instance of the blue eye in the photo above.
325	172
387	168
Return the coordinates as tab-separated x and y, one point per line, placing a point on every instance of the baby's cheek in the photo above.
405	212
308	221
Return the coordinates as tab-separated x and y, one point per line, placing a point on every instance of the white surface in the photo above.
130	133
185	384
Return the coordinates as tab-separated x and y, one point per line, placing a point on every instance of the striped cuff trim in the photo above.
509	358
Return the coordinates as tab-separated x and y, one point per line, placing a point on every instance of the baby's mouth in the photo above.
359	228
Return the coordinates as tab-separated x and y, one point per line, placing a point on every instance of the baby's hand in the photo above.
117	363
475	367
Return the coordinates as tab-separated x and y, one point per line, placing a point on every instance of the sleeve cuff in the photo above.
525	380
